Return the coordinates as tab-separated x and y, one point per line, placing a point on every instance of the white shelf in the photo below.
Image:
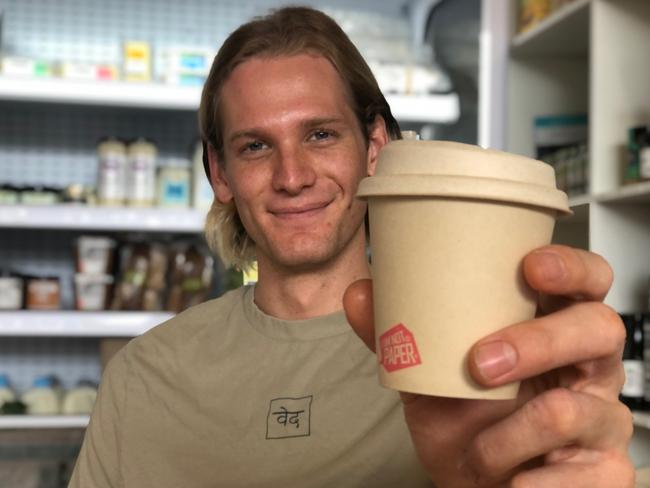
43	421
59	323
442	109
102	218
641	419
430	108
633	193
104	93
564	32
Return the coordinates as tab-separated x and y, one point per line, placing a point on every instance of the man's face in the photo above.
294	156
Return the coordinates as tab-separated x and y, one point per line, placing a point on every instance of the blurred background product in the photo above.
633	393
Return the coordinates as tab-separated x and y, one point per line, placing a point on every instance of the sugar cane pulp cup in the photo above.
450	224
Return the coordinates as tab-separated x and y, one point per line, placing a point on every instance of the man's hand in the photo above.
566	428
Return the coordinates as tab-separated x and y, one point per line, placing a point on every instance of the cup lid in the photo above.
452	169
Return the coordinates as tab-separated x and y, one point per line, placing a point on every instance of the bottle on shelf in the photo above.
44	397
633	394
80	399
6	392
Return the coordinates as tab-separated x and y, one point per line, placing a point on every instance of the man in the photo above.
268	386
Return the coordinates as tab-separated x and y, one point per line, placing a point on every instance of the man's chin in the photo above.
302	258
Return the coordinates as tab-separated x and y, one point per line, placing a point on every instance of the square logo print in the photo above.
289	417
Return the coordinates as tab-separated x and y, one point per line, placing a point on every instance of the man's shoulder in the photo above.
193	323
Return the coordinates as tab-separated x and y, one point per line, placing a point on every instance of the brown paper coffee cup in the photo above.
449	226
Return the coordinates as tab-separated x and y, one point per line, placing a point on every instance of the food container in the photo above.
137	61
43	293
111	174
174	185
141	173
92	291
95	254
11	293
9	195
39	195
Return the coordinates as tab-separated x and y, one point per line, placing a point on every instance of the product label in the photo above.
634	378
397	349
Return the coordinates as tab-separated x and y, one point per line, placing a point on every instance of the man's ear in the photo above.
218	177
377	138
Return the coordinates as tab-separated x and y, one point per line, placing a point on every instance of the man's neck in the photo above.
293	295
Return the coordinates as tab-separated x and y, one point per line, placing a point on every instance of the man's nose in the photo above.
293	169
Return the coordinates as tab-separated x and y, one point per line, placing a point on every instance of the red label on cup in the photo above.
397	349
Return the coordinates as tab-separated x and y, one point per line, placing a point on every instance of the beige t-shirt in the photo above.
224	395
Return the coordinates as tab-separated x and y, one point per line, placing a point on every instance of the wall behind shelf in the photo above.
55	144
70	359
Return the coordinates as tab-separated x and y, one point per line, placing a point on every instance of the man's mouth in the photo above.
299	211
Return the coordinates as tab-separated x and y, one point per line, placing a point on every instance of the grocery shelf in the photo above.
441	108
632	193
641	419
43	421
103	93
59	323
564	32
81	217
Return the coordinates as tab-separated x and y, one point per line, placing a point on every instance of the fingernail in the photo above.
552	266
494	359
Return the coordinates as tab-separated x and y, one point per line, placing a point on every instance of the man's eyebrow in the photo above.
253	132
309	123
256	132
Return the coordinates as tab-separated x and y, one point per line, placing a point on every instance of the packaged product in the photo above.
11	291
7	393
94	255
142	279
137	61
80	399
174	184
202	193
39	195
111	172
92	291
192	269
188	66
141	173
44	397
531	12
43	293
19	66
9	195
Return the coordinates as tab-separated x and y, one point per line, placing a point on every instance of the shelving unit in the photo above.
48	131
10	422
590	57
81	217
60	323
441	108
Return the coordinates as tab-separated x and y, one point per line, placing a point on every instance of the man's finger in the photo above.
544	344
568	272
357	303
551	421
608	471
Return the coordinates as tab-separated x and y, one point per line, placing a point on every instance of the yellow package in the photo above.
137	61
531	12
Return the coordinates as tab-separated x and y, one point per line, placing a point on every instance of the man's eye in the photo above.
254	146
321	135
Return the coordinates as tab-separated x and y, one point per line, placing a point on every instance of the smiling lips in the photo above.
299	211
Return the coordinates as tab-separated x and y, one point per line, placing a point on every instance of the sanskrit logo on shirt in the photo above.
397	349
288	417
